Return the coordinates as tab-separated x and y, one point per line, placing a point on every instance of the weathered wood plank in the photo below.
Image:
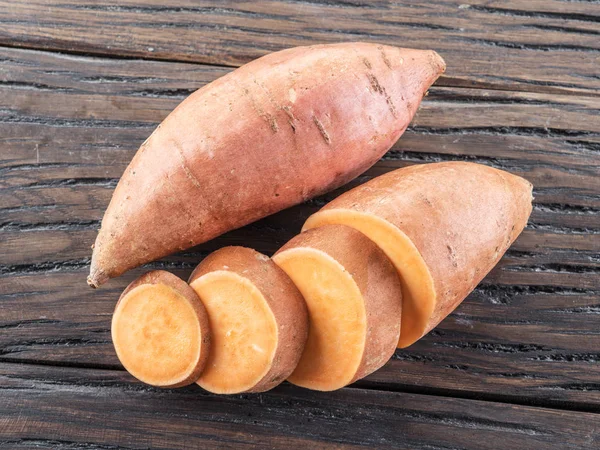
60	408
549	46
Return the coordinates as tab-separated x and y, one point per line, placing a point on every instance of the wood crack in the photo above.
475	423
43	166
552	268
588	309
506	130
560	29
22	346
161	9
563	15
510	165
557	229
58	444
54	226
99	182
70	123
27	323
492	347
44	267
527	46
504	294
568	357
34	86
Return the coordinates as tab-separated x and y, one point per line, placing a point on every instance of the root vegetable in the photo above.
258	317
160	330
353	295
444	226
273	133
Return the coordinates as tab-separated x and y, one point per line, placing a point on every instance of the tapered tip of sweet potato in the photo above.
438	62
96	278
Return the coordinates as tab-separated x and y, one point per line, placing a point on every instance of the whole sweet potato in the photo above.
273	133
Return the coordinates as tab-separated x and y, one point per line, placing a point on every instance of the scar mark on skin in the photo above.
384	57
290	114
426	200
262	113
367	63
375	83
322	130
273	123
378	88
173	195
272	120
185	167
452	256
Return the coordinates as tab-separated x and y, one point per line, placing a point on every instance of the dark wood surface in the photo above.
536	45
82	84
114	411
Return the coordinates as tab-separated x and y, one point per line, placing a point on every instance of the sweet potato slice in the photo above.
258	317
444	226
273	133
160	330
353	295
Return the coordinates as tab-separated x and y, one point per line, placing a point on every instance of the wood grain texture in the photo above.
39	401
544	46
70	124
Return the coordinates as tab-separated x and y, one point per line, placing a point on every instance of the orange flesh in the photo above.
157	335
418	291
245	334
337	317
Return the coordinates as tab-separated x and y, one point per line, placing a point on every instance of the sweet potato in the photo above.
353	295
258	317
160	330
271	134
444	226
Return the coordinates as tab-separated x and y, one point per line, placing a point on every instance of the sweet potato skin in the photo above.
376	279
273	133
461	216
177	284
291	316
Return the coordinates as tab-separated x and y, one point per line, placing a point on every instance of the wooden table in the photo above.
83	83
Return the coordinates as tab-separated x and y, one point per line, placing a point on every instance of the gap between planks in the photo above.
374	386
443	81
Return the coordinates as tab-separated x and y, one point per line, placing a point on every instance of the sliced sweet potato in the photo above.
444	226
353	295
258	317
160	330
